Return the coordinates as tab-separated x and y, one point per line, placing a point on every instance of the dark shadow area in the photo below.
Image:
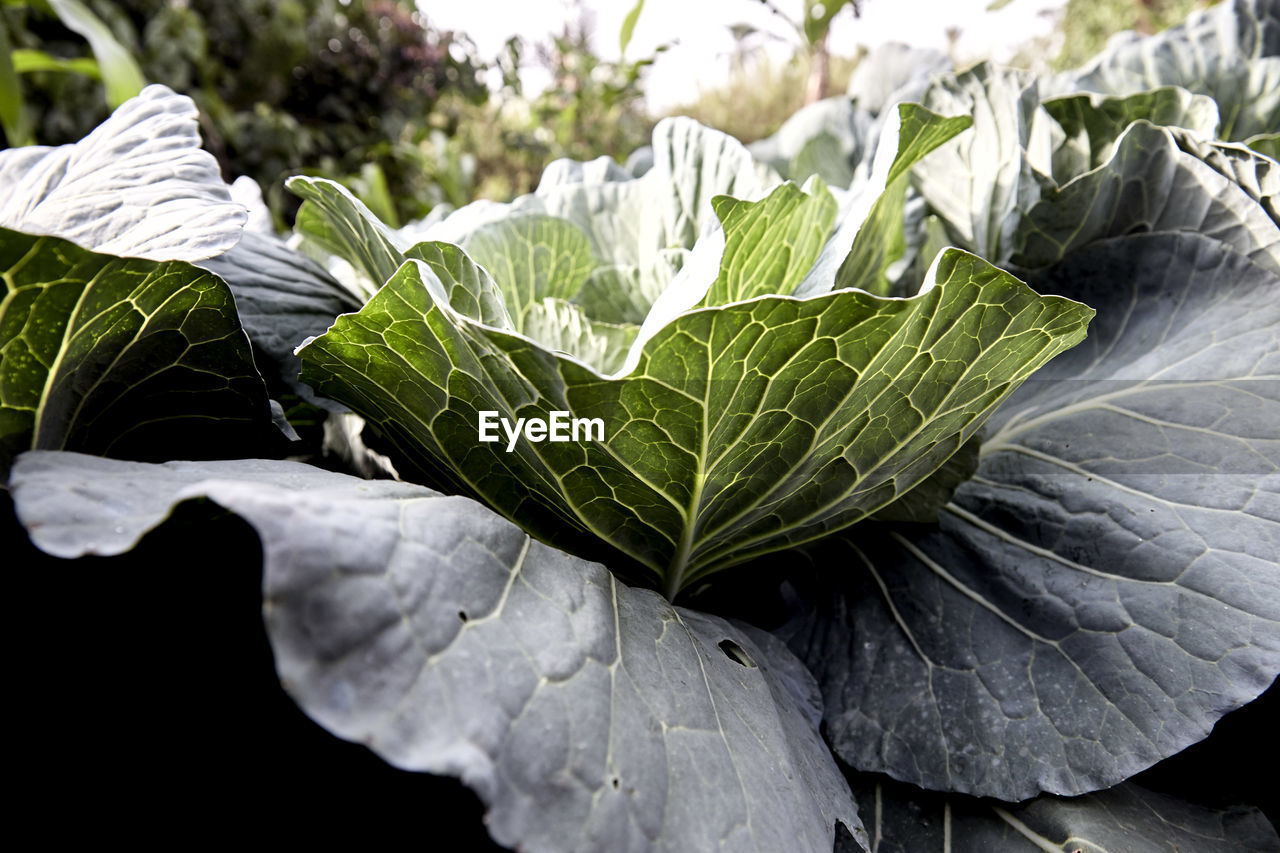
146	698
1235	765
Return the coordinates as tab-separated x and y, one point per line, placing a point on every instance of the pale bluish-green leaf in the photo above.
1228	52
139	185
1149	185
564	171
246	193
692	165
532	257
121	356
822	156
1105	587
903	819
770	244
1256	173
587	715
669	207
1093	123
893	72
834	129
981	182
741	430
282	298
610	212
120	72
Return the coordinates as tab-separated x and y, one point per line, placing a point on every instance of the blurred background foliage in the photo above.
353	90
409	116
1087	24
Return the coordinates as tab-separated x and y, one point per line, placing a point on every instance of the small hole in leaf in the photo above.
462	614
736	653
615	783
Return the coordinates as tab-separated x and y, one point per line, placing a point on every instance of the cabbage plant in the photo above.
983	405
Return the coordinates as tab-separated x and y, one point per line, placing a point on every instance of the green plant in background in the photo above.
111	64
357	89
755	101
1087	24
593	107
811	32
761	93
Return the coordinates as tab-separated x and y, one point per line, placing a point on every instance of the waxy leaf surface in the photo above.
121	356
902	819
587	715
1105	587
1230	52
742	429
139	185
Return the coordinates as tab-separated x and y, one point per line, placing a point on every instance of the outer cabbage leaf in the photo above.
565	171
1106	586
824	157
282	298
981	182
629	221
1228	52
587	715
121	356
1257	174
828	138
1127	818
893	72
742	429
1149	185
922	504
1091	124
139	186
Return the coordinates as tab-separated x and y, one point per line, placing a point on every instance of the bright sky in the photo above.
700	59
